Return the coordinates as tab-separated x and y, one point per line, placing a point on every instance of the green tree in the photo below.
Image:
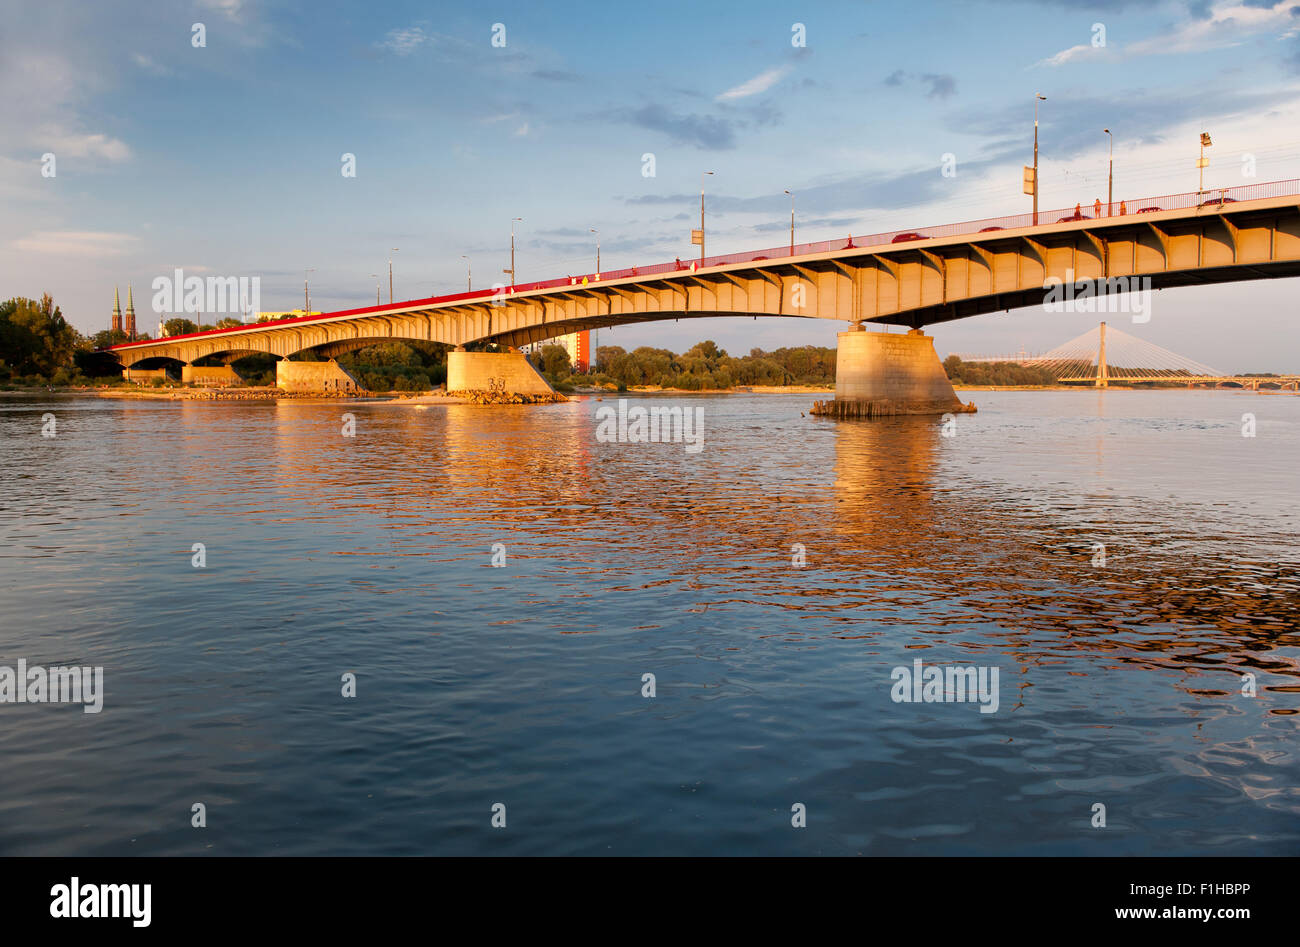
106	338
555	361
178	326
996	373
34	337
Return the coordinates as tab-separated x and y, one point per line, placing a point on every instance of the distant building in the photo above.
577	344
116	324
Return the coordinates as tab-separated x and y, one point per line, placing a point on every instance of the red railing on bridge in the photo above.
1216	197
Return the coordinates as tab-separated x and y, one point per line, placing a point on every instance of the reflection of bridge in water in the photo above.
1104	355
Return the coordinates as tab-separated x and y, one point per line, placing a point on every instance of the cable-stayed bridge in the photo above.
1105	354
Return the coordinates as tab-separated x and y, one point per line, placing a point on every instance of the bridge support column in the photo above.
878	374
505	372
318	377
220	375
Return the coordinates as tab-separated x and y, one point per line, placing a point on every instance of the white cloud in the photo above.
149	65
66	143
78	243
232	9
1229	24
760	83
404	42
1073	54
50	113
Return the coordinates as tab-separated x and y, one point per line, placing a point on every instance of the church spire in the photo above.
129	328
116	324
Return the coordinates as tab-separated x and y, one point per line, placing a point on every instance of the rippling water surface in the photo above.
521	685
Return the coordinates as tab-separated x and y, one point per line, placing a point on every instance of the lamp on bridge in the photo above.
787	190
1037	98
376	276
469	274
390	277
1203	161
511	271
701	230
1110	174
306	293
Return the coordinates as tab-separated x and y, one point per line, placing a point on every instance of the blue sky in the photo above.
226	159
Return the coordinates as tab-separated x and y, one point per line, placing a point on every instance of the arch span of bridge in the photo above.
908	278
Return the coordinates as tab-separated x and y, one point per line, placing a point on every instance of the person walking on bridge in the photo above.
1096	208
1123	208
1078	212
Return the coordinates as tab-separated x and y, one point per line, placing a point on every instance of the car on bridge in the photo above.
1148	210
904	237
990	229
1217	202
1073	217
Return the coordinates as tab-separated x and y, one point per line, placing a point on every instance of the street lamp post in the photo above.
791	221
702	177
376	276
1203	161
597	233
469	274
511	271
306	294
390	277
1110	172
1037	98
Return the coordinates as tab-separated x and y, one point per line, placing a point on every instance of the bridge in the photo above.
1106	355
910	278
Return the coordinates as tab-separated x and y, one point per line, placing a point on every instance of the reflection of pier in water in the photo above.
950	561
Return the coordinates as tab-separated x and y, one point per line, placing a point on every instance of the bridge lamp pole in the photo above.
1037	99
1203	161
376	277
306	294
511	271
702	177
597	233
390	277
469	274
791	221
1110	174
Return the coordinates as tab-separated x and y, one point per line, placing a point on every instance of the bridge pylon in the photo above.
1103	379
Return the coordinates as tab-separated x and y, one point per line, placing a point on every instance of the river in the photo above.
1122	559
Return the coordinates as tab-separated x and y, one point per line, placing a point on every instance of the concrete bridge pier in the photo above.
316	377
878	374
222	375
504	372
